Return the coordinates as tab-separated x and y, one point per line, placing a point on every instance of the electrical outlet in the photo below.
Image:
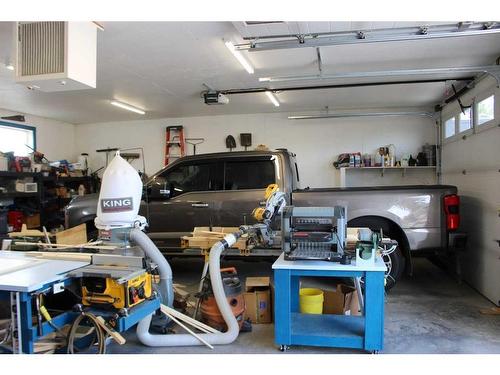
58	287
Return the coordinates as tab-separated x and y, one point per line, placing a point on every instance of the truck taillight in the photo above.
452	211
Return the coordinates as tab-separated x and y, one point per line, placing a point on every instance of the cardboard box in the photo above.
258	292
341	301
32	221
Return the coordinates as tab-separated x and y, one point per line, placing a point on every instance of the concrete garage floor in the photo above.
428	313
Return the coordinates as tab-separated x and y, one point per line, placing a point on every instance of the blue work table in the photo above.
23	276
346	331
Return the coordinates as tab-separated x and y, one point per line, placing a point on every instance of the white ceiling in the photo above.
161	67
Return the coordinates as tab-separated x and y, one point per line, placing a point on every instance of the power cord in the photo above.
100	333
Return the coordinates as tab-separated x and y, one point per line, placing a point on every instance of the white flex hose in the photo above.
166	289
225	309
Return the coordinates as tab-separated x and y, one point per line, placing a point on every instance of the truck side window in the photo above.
250	174
188	177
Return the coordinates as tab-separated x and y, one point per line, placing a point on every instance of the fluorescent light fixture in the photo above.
264	79
127	107
239	56
273	98
9	66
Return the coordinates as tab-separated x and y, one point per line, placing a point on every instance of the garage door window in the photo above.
465	122
486	110
16	138
256	174
449	127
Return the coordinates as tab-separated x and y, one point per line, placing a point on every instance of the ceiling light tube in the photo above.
239	56
273	98
127	107
9	66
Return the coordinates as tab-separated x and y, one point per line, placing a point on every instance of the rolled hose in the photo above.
166	289
225	309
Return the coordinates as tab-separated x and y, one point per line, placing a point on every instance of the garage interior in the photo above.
250	187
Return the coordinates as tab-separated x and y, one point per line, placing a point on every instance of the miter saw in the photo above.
270	208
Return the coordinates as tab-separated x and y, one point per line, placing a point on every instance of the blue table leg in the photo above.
282	307
374	310
26	323
294	292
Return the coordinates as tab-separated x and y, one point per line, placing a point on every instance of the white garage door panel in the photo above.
479	190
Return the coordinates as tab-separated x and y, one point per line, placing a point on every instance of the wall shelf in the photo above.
45	201
344	171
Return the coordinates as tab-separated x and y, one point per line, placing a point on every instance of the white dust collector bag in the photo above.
120	195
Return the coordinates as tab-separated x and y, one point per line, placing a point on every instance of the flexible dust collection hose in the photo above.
218	289
166	289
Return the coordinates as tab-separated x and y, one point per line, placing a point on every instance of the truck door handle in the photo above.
199	204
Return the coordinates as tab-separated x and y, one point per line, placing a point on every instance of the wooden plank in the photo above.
115	335
491	311
193	322
60	255
216	230
207	243
198	337
73	236
25	232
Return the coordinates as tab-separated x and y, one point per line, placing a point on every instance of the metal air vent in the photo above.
41	48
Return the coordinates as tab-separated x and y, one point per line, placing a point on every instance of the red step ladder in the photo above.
174	139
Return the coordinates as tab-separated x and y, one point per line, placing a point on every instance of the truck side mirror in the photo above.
158	191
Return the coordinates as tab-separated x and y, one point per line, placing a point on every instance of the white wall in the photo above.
316	142
56	139
478	155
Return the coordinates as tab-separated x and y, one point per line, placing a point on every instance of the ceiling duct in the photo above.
490	70
285	41
361	114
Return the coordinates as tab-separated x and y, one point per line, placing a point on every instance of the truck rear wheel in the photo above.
395	263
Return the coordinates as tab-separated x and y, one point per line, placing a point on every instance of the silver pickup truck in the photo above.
222	189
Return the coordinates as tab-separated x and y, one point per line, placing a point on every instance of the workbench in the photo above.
346	331
23	277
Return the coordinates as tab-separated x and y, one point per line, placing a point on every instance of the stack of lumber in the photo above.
204	238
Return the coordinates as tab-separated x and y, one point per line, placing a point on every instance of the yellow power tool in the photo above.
275	201
108	291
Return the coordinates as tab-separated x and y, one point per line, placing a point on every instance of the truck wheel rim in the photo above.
388	263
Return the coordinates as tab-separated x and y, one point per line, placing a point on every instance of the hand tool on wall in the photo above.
194	142
230	142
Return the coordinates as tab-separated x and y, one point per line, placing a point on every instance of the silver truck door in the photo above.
244	182
179	201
